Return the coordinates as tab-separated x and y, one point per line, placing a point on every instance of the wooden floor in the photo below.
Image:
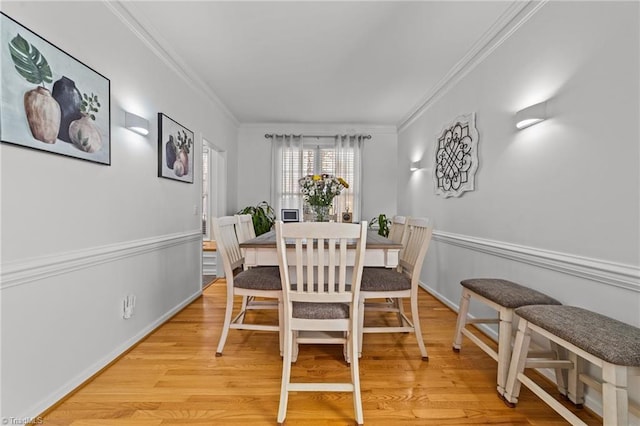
173	378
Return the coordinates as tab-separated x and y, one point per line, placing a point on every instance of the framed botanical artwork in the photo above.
456	157
175	150
51	101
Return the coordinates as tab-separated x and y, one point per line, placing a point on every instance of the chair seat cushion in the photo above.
262	278
384	279
506	293
310	310
608	339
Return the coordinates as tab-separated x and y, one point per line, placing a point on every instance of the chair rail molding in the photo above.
611	273
23	271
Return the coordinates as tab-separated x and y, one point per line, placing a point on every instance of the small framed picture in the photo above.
51	101
175	150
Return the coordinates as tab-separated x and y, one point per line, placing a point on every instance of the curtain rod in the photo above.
272	135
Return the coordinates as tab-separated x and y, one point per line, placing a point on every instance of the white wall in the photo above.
77	237
379	174
556	205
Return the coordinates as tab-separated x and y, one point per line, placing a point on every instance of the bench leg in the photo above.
504	347
615	401
463	311
518	362
575	391
561	374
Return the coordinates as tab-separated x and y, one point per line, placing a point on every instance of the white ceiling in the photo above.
319	62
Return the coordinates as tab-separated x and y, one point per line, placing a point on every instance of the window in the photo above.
295	158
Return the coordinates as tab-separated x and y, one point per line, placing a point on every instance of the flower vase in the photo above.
320	213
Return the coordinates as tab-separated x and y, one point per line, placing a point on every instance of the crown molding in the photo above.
508	23
160	47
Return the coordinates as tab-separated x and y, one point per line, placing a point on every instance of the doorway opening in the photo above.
214	195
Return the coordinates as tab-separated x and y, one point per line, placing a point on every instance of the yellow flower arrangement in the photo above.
320	190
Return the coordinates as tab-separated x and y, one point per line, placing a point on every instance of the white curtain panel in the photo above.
349	167
287	164
293	157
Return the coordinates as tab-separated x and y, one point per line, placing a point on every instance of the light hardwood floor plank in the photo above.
173	378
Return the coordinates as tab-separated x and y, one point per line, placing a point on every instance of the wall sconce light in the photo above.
415	165
136	123
531	115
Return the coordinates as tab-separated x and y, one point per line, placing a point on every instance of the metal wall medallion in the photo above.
456	157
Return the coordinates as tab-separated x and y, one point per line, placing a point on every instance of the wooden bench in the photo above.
503	296
609	344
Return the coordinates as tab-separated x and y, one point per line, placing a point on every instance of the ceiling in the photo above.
318	62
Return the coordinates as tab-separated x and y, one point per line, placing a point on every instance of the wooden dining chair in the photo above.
244	227
263	282
245	231
396	230
320	282
398	284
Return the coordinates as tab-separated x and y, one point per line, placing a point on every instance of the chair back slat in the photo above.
320	260
396	231
416	239
342	279
227	243
244	227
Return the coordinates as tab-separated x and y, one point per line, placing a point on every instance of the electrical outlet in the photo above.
128	303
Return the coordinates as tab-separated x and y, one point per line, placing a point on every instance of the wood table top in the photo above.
374	241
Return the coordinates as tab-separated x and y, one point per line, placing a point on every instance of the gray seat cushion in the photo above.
608	339
384	279
506	293
262	278
309	310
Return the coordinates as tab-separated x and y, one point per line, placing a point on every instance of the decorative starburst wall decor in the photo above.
456	157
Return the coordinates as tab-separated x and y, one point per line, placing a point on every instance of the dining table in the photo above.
379	251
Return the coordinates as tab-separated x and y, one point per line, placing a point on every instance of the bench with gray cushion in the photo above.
612	345
504	296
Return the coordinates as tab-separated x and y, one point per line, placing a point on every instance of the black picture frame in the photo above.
175	150
51	101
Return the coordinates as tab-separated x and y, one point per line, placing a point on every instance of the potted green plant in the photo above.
381	223
262	215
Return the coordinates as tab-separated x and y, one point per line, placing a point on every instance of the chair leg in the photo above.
561	373
518	362
294	345
575	387
243	309
415	317
346	348
355	377
463	311
281	326
615	401
504	347
397	304
286	375
227	322
360	325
